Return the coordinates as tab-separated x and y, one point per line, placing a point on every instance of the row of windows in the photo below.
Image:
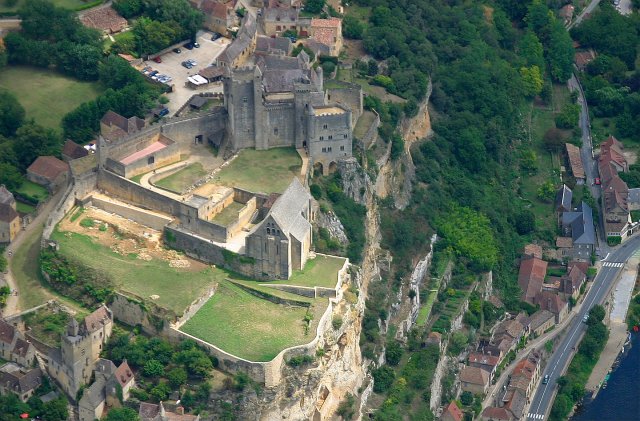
329	149
330	137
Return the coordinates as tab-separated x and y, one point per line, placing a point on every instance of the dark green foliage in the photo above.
568	117
316	191
177	377
122	414
314	6
352	28
466	398
153	368
300	360
11	113
347	409
383	378
525	222
10	176
128	8
393	352
614	240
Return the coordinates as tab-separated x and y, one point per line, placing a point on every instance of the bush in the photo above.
87	223
300	360
336	322
383	378
393	352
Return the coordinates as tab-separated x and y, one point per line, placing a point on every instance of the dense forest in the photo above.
486	61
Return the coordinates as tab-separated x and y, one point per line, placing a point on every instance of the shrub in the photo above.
383	378
336	322
87	223
393	352
300	360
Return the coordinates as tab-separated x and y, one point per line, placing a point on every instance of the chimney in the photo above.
180	410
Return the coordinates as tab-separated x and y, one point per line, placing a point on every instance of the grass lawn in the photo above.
36	88
176	287
179	181
228	214
24	207
363	124
25	269
268	171
319	272
47	325
250	327
33	190
67	4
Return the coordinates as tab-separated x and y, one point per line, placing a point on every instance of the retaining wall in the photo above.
141	216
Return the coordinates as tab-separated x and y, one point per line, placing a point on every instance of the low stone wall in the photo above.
311	292
141	216
272	298
162	174
79	188
135	311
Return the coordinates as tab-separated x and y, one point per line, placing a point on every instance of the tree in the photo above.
11	113
10	176
529	161
597	313
153	368
4	57
458	341
466	398
152	35
554	139
32	141
532	80
547	191
177	377
393	352
525	222
314	6
56	410
531	50
161	392
122	414
352	28
560	53
128	8
569	116
383	378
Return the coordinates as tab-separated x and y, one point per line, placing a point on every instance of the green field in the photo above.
228	214
321	272
24	207
37	88
24	266
268	171
250	327
33	190
176	287
180	180
67	4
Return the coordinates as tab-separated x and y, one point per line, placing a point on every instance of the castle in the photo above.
278	103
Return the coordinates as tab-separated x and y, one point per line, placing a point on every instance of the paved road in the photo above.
625	7
541	403
588	9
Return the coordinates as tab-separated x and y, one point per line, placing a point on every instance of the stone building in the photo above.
280	244
281	102
14	346
104	390
49	172
241	49
474	380
73	363
114	126
71	150
9	218
218	16
19	380
158	412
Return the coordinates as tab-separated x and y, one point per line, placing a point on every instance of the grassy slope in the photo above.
37	88
24	267
34	190
261	171
321	271
182	179
228	214
68	4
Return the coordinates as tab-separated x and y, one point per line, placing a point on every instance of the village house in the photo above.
540	321
485	361
276	20
566	13
276	45
578	225
494	413
242	47
474	380
110	383
113	126
218	16
104	19
14	346
572	281
71	150
452	413
533	250
583	58
9	217
508	333
531	277
575	163
615	193
158	412
551	301
327	32
563	202
19	380
49	172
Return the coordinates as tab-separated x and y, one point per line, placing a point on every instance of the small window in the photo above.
151	160
345	136
324	149
324	127
244	99
269	231
275	130
329	149
342	148
321	137
330	137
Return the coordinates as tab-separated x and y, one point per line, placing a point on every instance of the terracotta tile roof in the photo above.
97	319
575	161
485	359
73	150
22	348
531	276
474	375
583	266
550	301
452	412
6	332
533	250
583	58
104	19
215	8
48	167
325	36
567	11
124	374
326	23
497	414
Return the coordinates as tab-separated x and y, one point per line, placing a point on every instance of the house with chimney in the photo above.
164	412
487	362
615	193
531	277
109	385
14	346
577	225
20	381
9	217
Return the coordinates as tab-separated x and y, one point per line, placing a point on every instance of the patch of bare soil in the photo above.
126	237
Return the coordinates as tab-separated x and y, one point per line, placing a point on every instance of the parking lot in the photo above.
171	66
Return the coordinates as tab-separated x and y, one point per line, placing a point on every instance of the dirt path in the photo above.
13	305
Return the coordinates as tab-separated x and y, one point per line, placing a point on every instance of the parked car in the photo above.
585	319
177	50
195	44
187	64
155	72
158	59
163	112
215	36
596	181
546	379
188	46
192	62
146	70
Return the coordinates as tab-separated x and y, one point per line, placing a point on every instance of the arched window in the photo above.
268	230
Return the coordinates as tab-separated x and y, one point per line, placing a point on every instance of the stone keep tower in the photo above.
239	100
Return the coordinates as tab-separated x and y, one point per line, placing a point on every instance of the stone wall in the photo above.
371	136
166	156
348	94
141	216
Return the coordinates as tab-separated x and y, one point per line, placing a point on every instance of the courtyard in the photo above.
269	171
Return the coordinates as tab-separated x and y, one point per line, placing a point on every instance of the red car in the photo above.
596	181
157	59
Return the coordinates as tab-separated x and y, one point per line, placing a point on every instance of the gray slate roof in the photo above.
243	39
287	211
581	222
281	72
20	381
634	196
94	395
563	198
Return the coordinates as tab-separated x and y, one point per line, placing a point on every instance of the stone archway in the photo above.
333	167
318	169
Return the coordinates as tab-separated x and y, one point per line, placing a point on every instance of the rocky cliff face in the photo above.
331	223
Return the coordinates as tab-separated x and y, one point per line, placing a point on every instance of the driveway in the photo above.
624	7
171	66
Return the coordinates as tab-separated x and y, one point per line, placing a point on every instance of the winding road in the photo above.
602	284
